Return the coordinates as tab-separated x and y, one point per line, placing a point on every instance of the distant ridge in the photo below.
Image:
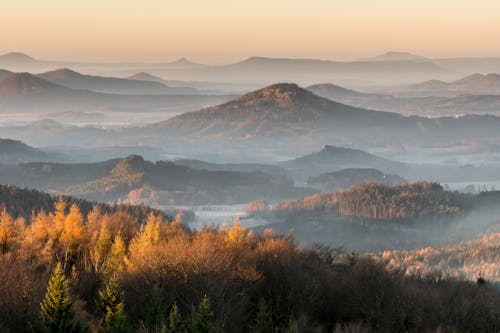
26	83
397	56
14	151
473	84
75	80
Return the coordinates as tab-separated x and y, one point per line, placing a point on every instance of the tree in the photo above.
113	307
175	322
56	310
202	320
263	320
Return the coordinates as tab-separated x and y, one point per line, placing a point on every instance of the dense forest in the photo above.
62	271
471	259
24	203
378	201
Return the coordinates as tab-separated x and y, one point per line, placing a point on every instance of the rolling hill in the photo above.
423	106
475	84
332	158
25	92
135	180
345	178
14	152
111	85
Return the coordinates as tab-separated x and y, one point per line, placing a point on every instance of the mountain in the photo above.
16	58
13	152
182	63
258	71
111	85
25	84
166	183
280	109
346	178
478	84
333	158
397	56
143	76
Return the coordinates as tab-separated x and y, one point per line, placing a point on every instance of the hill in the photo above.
280	109
377	217
333	158
13	152
135	180
478	84
111	85
433	103
470	259
176	89
25	202
238	167
346	178
25	84
25	92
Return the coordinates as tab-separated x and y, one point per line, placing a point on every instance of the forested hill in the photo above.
24	202
382	202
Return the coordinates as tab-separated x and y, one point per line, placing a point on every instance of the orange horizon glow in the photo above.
223	30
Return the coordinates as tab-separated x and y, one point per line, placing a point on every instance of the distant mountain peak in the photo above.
184	62
61	73
16	56
397	56
144	76
282	95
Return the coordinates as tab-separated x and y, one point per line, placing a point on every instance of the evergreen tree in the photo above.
263	320
155	316
175	322
202	320
112	305
56	310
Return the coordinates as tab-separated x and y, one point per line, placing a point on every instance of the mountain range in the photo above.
66	90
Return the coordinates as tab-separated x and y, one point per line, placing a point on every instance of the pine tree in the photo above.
113	307
175	322
263	321
203	318
155	316
56	310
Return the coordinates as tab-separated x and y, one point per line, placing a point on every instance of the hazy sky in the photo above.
225	30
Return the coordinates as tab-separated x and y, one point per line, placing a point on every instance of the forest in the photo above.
63	270
378	201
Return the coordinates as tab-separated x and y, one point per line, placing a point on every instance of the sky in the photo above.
217	31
